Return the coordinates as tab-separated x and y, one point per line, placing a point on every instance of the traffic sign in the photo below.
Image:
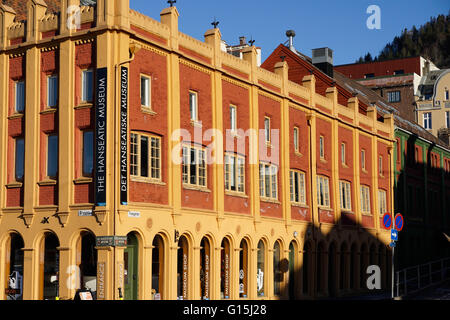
387	221
392	244
399	222
394	235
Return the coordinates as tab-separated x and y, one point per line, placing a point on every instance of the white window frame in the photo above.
146	94
154	169
380	165
234	171
19	96
394	96
363	159
296	139
427	120
323	191
345	194
193	105
268	181
84	92
199	163
267	126
343	153
322	147
233	118
365	199
382	203
300	187
52	91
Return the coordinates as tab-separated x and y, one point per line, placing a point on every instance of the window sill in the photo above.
84	105
83	180
269	200
196	188
366	214
14	185
344	166
196	123
16	116
364	171
147	180
300	205
298	154
346	211
48	110
268	144
236	194
325	208
48	182
148	110
323	160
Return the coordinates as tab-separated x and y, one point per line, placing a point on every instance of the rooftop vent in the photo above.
322	58
291	34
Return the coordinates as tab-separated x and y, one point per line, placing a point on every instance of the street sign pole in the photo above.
393	249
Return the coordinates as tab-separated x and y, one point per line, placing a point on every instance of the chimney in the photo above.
322	58
242	41
291	34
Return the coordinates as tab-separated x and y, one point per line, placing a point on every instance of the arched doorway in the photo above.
49	267
205	269
183	269
14	267
88	263
261	269
332	274
293	271
306	280
131	260
225	272
243	269
277	273
158	268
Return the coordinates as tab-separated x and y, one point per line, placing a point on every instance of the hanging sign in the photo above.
100	137
124	135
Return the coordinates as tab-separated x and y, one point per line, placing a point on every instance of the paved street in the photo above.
442	292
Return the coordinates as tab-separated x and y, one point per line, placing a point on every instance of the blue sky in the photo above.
340	25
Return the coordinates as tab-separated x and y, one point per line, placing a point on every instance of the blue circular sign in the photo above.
398	220
387	221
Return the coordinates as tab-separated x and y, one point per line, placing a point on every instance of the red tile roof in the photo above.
20	6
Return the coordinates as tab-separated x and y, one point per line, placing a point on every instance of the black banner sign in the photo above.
123	135
100	137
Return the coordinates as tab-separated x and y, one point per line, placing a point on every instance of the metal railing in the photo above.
413	279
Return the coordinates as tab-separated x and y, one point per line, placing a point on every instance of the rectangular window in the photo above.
52	91
193	105
267	128
233	120
345	195
87	85
363	159
20	96
447	95
19	158
396	72
88	153
394	96
145	92
297	187
296	147
382	202
380	165
194	166
268	179
447	119
365	199
52	156
323	191
427	124
234	173
369	75
321	147
145	156
343	147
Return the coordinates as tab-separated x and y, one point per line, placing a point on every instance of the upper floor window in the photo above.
52	156
20	96
88	153
447	119
365	199
345	195
343	147
380	165
145	156
87	85
234	173
194	166
52	91
145	91
396	72
447	95
268	181
394	96
323	191
267	129
427	124
382	202
321	147
369	75
296	146
19	158
297	187
363	159
193	105
233	119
